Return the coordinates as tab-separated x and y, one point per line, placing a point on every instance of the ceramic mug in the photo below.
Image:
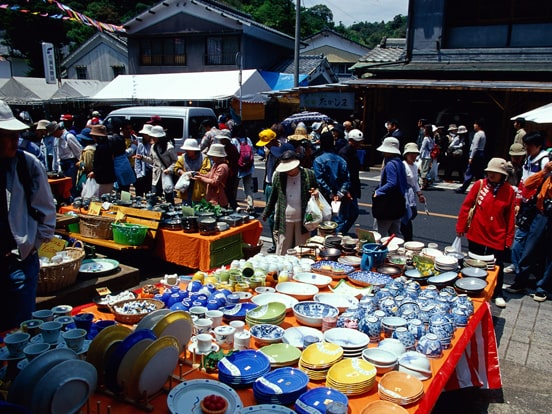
203	326
224	336
198	311
239	326
242	340
215	316
16	342
203	342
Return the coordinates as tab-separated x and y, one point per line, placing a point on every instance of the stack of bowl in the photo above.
383	360
400	388
272	313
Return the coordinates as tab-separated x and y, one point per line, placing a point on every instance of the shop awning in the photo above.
540	115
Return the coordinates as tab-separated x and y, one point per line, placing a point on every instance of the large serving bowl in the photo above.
383	360
266	334
265	298
300	291
316	279
341	302
310	313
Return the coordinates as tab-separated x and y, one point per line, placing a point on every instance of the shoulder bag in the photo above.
472	209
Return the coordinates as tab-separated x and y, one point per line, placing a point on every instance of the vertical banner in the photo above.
48	56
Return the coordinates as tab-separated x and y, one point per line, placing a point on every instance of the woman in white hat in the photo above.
410	154
216	177
492	227
192	161
292	186
143	170
457	154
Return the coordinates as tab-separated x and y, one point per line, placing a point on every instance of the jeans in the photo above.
348	213
517	247
18	284
70	169
535	236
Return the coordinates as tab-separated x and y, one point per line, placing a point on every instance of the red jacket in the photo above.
493	223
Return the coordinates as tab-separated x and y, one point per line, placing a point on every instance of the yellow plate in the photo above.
352	371
321	353
177	324
153	367
102	343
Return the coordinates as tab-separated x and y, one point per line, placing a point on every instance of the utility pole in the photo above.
297	40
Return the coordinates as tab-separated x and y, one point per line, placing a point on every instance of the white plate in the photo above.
176	323
65	388
342	302
485	258
295	336
346	338
300	291
320	281
186	396
149	321
127	362
350	260
266	408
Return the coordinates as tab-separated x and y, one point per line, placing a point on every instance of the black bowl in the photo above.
329	254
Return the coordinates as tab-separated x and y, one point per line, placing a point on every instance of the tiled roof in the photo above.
389	50
307	63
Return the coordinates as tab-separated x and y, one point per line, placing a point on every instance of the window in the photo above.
82	72
118	70
221	50
169	51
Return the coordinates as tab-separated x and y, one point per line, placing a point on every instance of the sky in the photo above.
356	11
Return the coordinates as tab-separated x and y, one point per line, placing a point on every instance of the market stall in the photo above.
61	187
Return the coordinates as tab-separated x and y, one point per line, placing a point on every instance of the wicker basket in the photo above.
96	227
58	276
132	318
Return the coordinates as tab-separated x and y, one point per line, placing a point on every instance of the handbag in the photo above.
390	206
457	153
471	213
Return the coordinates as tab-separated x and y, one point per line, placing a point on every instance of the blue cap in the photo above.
84	137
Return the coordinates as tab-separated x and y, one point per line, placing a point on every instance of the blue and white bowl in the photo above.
266	333
430	346
310	313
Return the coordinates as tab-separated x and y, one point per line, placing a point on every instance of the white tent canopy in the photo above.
183	86
540	115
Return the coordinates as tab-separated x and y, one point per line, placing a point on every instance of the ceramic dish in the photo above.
470	285
474	272
300	291
383	407
334	269
266	408
98	267
347	338
475	263
267	333
281	355
5	355
485	258
320	281
265	298
350	261
317	399
238	311
310	313
341	302
368	278
186	396
192	347
128	361
443	279
267	313
83	350
345	288
149	321
177	324
295	336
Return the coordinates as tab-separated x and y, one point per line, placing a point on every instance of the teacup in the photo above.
66	321
62	310
215	316
15	342
45	315
31	326
224	336
198	311
50	331
74	338
239	326
242	340
204	342
33	350
203	326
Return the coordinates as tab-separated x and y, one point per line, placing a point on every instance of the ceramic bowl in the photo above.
310	313
383	360
237	312
415	364
470	285
265	334
318	280
474	272
341	302
392	345
300	291
265	298
414	246
264	289
390	323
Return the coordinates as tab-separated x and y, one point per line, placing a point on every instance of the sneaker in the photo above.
500	302
509	269
515	288
271	250
539	296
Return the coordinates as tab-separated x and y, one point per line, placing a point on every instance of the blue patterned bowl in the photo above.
266	333
311	313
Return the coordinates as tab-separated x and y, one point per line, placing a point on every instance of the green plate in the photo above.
281	354
98	267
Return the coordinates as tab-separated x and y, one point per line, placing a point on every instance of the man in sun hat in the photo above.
67	152
27	219
291	191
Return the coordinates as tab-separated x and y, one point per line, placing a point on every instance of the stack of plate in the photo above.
282	386
400	388
489	259
318	358
272	313
352	376
243	368
352	341
332	242
446	263
281	355
315	400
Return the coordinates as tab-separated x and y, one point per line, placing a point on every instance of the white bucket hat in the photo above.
190	144
216	150
8	121
146	129
390	145
157	131
462	129
411	148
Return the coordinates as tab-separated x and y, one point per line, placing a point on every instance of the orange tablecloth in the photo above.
471	361
193	250
61	187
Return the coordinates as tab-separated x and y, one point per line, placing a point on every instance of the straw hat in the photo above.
452	127
216	150
411	148
517	149
42	124
146	129
157	131
190	144
497	165
98	131
390	145
265	136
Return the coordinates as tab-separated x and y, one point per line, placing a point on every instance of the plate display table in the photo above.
472	360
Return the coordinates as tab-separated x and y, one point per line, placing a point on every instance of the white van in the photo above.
181	122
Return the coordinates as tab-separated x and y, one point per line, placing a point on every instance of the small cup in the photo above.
33	350
203	326
15	342
224	335
74	338
62	310
215	316
67	322
171	279
50	331
198	311
242	340
239	326
84	320
45	315
31	326
433	245
204	342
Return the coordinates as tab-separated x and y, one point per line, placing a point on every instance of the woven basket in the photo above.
132	318
96	227
58	276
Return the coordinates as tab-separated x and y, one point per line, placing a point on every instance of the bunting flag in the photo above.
68	14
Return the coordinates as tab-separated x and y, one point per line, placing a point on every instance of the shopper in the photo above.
410	154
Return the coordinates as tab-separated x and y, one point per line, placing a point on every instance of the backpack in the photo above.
245	161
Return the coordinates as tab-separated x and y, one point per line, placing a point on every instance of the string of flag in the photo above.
67	14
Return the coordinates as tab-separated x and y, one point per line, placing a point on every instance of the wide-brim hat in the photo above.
220	137
497	165
265	136
42	124
84	137
98	131
517	150
8	121
157	131
411	148
190	144
216	150
297	137
390	145
287	165
146	129
452	127
462	129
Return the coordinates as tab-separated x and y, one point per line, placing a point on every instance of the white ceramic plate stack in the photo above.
352	341
282	386
488	258
400	388
243	368
446	263
352	376
318	358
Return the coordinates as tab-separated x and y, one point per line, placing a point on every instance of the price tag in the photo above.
94	209
102	291
50	248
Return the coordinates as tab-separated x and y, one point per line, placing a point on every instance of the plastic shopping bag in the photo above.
167	182
183	182
325	208
90	188
457	244
313	215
